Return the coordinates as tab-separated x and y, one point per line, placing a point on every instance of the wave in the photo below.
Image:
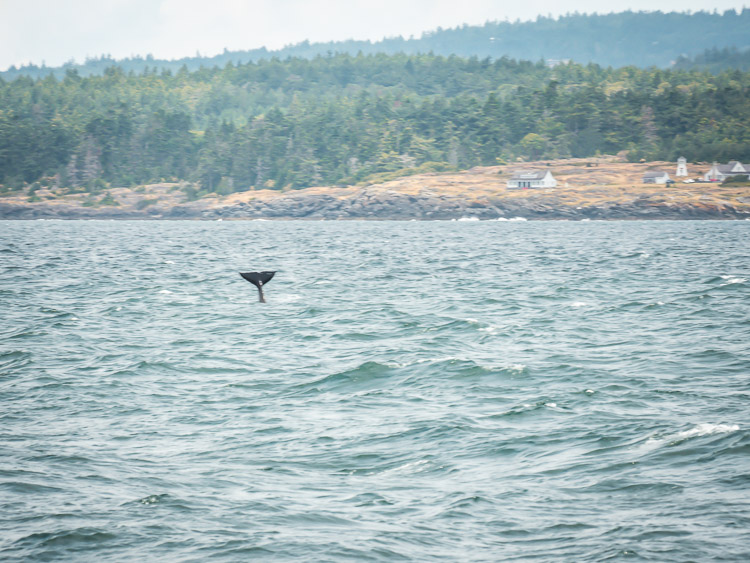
706	429
468	364
76	537
362	376
732	280
526	408
28	488
412	372
725	280
697	431
14	359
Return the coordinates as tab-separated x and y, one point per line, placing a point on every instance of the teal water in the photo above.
438	391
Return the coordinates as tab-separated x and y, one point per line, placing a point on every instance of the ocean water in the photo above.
412	391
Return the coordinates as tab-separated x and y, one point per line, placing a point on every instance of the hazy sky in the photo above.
55	31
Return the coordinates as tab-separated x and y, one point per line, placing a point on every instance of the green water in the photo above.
478	391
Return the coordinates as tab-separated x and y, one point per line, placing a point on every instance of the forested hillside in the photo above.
343	119
716	60
628	38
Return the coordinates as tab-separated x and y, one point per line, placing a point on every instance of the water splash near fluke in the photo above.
258	279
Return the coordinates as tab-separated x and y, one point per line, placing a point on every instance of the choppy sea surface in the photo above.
437	391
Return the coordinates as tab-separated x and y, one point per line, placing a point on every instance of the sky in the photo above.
57	31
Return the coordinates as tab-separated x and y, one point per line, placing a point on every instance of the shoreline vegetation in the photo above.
376	135
593	188
355	121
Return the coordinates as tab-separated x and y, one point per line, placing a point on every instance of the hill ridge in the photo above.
620	39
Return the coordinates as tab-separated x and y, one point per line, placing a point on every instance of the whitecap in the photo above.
168	262
411	467
551	405
501	219
439	360
705	429
730	280
421	361
469	219
513	368
518	219
578	304
165	292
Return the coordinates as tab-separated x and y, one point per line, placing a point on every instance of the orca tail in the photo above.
258	279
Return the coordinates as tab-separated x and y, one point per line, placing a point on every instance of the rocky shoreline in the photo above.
603	190
390	206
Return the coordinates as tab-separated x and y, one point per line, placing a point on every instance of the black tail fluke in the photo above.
258	279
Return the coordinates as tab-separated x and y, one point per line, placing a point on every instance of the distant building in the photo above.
655	177
532	179
720	172
552	63
681	167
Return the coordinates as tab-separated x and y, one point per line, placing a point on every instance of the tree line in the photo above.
626	38
716	60
342	119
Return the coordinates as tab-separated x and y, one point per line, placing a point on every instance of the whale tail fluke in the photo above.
258	279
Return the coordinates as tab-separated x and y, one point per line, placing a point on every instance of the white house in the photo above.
655	177
532	179
720	172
